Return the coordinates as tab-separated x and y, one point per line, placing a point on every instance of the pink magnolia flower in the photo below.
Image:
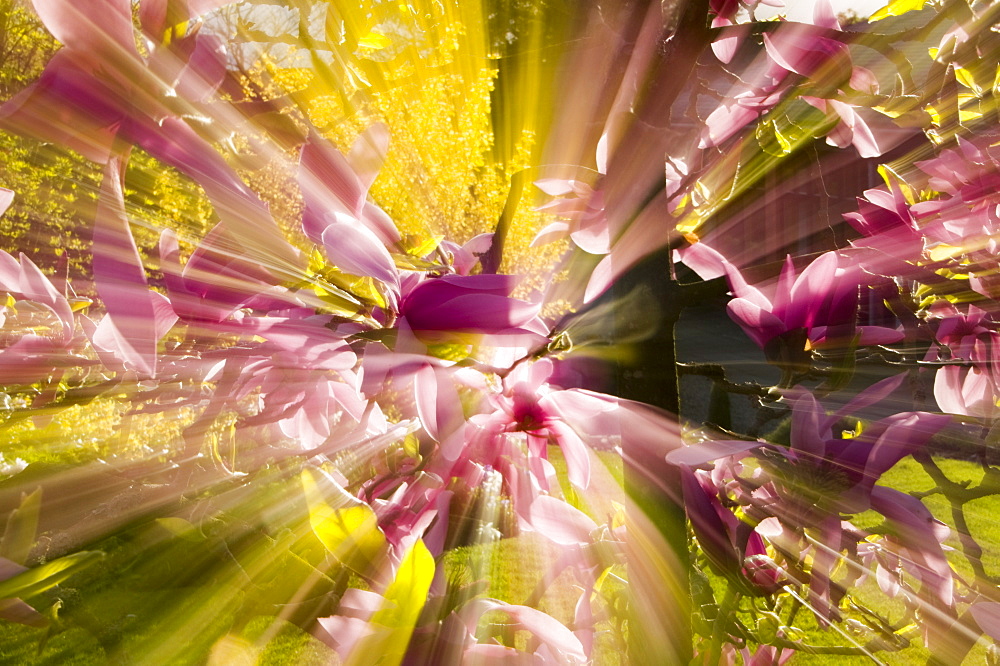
37	332
582	210
469	304
821	301
514	428
821	475
98	90
972	389
730	544
888	226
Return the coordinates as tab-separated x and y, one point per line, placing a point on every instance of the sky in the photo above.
799	10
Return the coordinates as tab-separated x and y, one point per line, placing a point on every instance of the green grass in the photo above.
983	516
153	584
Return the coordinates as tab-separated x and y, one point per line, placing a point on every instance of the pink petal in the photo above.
800	48
6	199
987	616
548	630
710	451
438	404
368	154
328	185
823	16
36	287
356	250
120	277
760	325
574	451
89	26
559	522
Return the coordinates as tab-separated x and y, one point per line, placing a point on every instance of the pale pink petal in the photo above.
356	250
6	199
438	404
368	154
120	277
759	324
87	26
823	15
550	233
328	186
574	451
36	287
559	522
709	451
987	616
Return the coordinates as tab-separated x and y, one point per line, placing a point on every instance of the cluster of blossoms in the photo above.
372	347
417	394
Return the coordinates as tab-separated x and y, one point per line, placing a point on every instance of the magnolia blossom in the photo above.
820	476
821	301
971	388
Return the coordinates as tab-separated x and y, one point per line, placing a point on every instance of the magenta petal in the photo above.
703	509
800	48
877	392
879	335
812	290
783	290
905	434
806	435
205	68
66	106
916	528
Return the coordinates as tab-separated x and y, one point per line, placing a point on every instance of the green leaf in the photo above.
349	531
19	536
404	600
180	528
772	141
897	8
968	79
449	352
418	245
37	580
